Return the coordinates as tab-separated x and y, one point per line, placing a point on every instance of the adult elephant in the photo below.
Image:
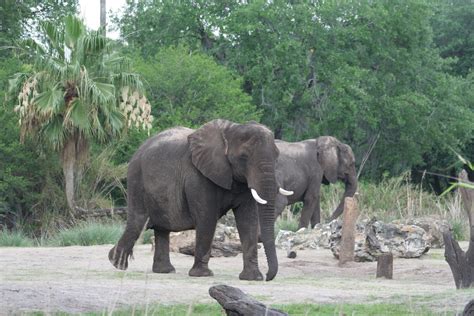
182	179
303	166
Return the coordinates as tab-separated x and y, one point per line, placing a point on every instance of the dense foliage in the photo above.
366	72
393	79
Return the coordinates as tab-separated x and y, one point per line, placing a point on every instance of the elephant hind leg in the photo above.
161	259
137	217
120	253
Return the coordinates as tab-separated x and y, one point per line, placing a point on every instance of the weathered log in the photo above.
385	266
351	212
218	249
469	309
237	303
460	262
99	213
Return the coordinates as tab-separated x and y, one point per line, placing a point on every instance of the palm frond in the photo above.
73	30
50	101
54	133
79	116
55	37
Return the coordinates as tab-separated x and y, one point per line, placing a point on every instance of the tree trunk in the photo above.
460	262
68	157
103	16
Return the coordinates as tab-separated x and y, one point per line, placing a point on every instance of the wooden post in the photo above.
385	266
351	212
460	262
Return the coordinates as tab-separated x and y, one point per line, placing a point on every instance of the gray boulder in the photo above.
372	239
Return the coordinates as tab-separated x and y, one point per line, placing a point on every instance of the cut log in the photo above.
385	266
469	309
460	262
351	212
237	303
218	249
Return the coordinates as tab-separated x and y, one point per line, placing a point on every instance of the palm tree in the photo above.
78	90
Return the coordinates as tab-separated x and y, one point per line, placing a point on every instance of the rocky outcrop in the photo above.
434	226
372	239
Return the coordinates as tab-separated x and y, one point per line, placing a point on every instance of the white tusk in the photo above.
257	198
286	193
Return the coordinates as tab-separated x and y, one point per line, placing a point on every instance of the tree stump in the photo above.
351	212
385	266
237	303
460	262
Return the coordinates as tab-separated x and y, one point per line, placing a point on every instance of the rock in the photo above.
404	241
360	250
372	239
304	238
434	226
376	238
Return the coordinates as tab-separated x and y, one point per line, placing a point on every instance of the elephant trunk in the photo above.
266	221
265	186
349	191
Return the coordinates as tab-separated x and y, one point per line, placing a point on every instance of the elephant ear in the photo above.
328	157
208	152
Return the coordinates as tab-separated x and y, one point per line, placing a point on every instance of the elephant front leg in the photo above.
202	252
246	219
161	258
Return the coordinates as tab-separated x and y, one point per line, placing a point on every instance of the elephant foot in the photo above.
163	268
118	256
200	272
251	275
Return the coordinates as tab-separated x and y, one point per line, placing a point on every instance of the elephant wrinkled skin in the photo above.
303	166
182	179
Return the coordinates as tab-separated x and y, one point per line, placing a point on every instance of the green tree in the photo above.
20	18
366	72
452	27
78	90
187	88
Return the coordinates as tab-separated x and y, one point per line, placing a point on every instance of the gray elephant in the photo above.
182	179
303	166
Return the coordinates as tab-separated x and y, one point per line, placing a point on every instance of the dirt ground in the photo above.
79	279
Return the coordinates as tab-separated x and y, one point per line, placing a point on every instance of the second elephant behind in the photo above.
303	166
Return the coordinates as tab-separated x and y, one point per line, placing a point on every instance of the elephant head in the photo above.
338	163
225	152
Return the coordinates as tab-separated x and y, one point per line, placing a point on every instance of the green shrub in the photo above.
15	238
87	234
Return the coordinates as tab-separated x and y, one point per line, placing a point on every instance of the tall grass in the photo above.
15	238
87	234
391	199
